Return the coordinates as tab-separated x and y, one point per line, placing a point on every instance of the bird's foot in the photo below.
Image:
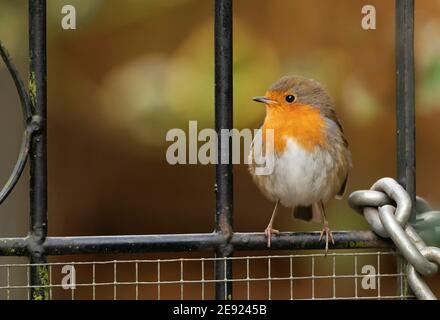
269	232
328	235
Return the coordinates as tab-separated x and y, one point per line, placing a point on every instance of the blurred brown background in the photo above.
134	69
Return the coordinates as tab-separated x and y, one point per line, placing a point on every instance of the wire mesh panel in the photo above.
351	275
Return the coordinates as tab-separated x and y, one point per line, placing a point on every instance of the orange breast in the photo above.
300	122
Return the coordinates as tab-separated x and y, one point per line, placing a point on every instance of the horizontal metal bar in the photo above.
309	241
192	242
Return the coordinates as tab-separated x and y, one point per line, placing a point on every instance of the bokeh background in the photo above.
134	69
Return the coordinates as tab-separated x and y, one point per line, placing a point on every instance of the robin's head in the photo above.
292	91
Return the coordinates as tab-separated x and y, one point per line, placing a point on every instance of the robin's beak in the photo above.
264	100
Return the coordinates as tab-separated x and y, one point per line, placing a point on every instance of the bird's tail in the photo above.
309	213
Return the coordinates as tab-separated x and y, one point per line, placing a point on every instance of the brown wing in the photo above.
342	190
331	114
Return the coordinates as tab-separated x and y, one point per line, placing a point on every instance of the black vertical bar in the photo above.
223	120
38	153
406	156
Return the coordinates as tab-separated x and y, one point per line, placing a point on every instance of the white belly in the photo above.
299	177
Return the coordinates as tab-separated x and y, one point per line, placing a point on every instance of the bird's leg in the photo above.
269	230
325	230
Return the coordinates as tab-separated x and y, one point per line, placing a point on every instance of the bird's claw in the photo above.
269	232
328	235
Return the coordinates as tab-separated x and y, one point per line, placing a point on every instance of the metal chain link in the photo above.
387	208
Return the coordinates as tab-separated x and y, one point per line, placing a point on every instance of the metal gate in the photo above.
213	255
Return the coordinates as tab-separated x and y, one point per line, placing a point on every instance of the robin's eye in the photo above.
290	98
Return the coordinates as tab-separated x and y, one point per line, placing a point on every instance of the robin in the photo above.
310	154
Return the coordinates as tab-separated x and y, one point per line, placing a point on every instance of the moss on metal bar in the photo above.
42	293
32	90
